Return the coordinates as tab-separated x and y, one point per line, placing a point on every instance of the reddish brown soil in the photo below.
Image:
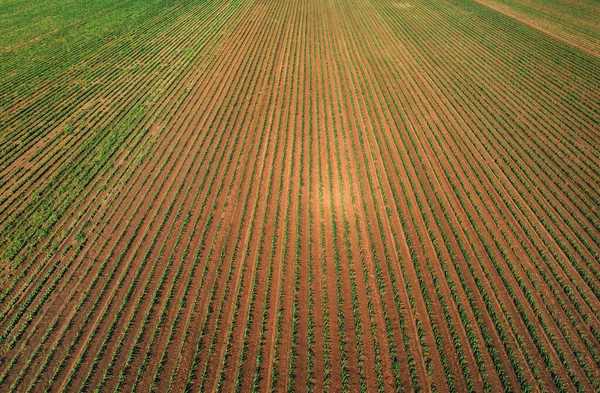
309	196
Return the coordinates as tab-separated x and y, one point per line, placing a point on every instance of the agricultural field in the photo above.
575	22
305	195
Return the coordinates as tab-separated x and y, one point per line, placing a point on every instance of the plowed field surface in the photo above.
307	195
